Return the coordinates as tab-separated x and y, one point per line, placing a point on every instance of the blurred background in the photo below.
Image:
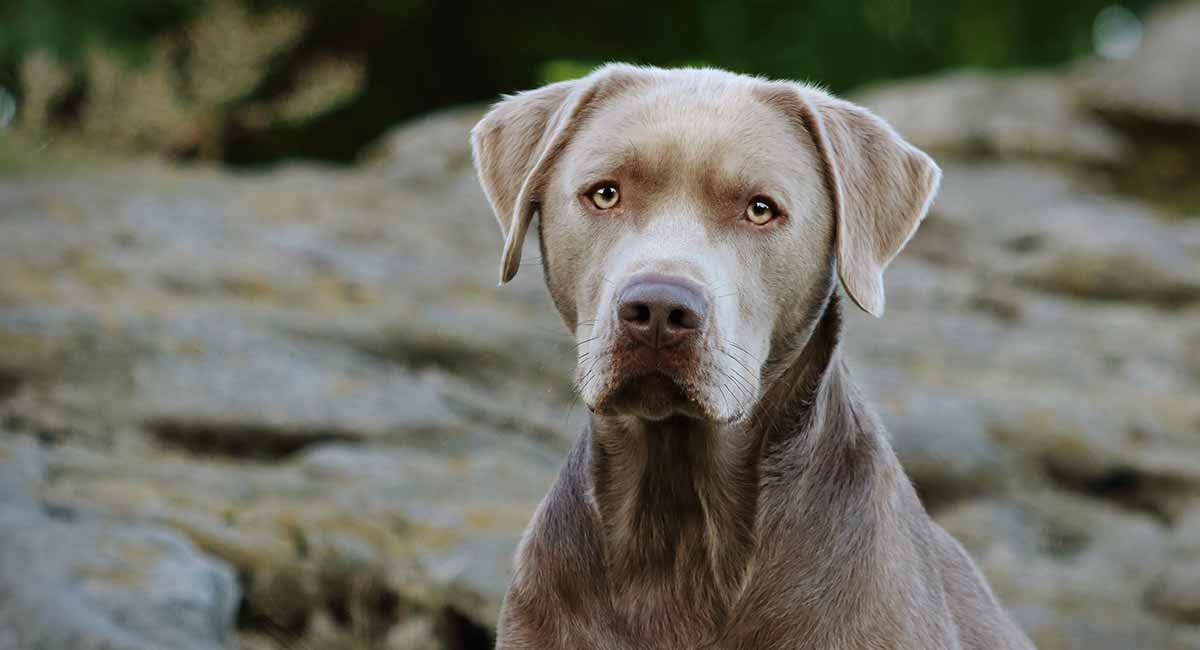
247	82
258	388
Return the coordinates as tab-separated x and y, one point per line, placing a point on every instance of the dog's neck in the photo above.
678	500
674	498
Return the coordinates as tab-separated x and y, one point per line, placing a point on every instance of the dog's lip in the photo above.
629	365
664	393
632	376
635	359
645	373
631	361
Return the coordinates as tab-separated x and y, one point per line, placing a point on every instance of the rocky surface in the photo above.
1156	83
291	408
76	580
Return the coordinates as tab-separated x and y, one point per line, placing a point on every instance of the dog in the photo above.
732	489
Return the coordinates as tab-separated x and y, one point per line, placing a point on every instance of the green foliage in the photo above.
424	54
836	42
563	69
833	42
65	27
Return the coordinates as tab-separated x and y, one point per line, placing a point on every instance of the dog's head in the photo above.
690	221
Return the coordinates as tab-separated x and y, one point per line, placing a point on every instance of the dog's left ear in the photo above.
881	187
519	139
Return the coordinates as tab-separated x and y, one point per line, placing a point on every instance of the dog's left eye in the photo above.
606	196
760	212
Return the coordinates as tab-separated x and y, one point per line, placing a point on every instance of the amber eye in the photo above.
606	196
759	212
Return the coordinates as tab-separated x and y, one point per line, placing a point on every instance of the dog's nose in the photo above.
661	312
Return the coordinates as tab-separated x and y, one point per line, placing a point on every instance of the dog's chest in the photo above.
670	612
667	615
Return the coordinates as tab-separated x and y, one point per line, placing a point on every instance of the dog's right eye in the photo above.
606	196
760	212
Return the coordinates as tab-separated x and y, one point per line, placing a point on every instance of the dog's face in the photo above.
677	227
691	220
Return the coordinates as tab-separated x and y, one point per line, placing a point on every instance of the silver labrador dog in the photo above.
733	490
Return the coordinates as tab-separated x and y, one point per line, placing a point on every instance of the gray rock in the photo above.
1176	592
338	524
941	438
428	149
1160	82
1070	569
70	580
1038	226
1017	116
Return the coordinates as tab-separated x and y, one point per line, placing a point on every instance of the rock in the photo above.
1039	226
72	580
1158	83
275	337
1176	591
356	539
1002	372
1046	560
428	149
941	438
1116	275
417	634
981	114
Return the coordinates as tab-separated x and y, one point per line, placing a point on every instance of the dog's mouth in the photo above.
652	395
628	377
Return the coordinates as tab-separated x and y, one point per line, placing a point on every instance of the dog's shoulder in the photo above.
982	621
559	564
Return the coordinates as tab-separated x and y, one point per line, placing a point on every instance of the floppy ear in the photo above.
514	146
881	188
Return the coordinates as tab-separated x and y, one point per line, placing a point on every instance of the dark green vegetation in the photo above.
417	55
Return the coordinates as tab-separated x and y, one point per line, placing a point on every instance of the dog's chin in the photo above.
652	396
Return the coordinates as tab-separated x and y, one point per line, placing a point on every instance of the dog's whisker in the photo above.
586	354
570	407
743	382
746	387
742	389
725	399
587	375
737	346
736	397
750	373
730	400
743	351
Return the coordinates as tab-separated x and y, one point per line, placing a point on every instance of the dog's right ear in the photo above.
880	185
516	143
